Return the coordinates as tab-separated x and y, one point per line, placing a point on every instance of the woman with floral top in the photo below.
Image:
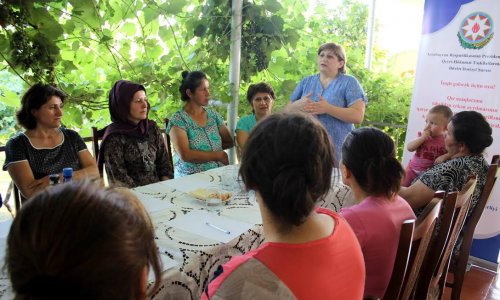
198	133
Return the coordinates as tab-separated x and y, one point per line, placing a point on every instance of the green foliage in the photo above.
7	122
10	91
84	46
263	32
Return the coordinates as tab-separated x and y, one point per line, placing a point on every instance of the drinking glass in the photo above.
213	203
226	180
231	182
238	185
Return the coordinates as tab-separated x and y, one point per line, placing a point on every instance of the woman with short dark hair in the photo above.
45	147
370	168
261	98
198	133
79	241
308	252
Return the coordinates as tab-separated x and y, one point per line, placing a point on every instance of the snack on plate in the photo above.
206	193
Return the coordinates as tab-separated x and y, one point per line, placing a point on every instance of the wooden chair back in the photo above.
422	235
12	190
431	282
168	143
401	261
97	135
17	197
458	270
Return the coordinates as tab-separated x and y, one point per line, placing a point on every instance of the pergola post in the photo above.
369	35
234	71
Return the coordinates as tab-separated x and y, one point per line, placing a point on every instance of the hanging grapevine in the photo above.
262	33
30	49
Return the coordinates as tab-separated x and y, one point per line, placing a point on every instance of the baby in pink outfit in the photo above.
429	145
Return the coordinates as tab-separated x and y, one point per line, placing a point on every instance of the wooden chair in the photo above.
455	281
17	197
13	191
401	261
97	135
424	231
168	144
431	282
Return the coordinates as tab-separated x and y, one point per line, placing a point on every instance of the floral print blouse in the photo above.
132	162
201	138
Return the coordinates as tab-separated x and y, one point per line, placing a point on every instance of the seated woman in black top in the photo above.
45	148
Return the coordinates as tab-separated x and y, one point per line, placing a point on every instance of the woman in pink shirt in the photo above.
308	252
369	166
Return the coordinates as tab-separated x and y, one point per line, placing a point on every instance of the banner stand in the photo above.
458	65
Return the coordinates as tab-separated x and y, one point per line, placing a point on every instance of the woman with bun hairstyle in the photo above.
198	133
308	252
370	168
468	135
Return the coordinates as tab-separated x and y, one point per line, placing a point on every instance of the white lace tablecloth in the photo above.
198	257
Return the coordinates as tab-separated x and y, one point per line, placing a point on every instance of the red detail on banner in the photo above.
475	28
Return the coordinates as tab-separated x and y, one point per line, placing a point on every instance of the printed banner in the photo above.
459	66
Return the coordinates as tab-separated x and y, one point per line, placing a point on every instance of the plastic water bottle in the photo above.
67	174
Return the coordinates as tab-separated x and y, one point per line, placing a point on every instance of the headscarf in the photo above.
120	98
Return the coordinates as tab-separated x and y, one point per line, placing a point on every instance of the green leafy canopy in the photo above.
84	46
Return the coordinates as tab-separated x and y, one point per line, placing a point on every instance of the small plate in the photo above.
206	193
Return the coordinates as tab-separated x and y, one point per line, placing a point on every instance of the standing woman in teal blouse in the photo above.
198	133
261	97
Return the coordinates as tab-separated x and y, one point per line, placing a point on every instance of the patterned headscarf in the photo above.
120	98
